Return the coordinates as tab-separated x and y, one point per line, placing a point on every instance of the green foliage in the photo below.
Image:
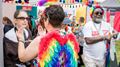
118	50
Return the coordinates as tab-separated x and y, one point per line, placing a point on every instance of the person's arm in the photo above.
89	38
92	40
29	53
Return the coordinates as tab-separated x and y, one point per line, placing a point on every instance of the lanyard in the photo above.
99	28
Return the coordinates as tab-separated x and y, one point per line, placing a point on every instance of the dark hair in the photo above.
55	15
17	13
8	20
81	19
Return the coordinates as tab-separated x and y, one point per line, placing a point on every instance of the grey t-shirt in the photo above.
80	36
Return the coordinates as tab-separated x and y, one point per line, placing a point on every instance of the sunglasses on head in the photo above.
23	18
99	13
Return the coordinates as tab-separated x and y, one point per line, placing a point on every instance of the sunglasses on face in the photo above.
98	13
23	18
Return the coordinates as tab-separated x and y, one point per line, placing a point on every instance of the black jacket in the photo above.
10	46
7	28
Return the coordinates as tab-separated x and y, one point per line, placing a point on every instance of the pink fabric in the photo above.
117	21
108	16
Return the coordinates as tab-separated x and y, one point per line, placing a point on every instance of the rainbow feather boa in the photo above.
57	50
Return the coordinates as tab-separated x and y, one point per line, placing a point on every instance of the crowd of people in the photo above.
56	42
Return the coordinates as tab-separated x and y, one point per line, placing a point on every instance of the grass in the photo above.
118	50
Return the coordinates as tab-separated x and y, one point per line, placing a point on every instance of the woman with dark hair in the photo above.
7	24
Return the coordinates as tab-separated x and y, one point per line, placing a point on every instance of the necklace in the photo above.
99	28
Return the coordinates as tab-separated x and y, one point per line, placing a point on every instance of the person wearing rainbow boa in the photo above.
97	34
52	49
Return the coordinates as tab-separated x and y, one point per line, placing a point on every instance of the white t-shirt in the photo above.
96	50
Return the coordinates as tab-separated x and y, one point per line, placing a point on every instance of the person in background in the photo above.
10	41
7	24
97	34
80	31
34	29
113	56
65	25
80	37
40	21
52	49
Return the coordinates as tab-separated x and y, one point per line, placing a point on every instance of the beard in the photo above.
98	20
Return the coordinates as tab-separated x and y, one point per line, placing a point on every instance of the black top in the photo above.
7	28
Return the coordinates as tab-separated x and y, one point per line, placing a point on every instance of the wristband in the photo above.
22	41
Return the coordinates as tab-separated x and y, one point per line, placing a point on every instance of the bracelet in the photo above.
22	41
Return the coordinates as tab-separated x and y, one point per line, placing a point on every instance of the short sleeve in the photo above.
87	30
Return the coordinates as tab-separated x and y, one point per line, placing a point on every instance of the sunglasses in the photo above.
23	18
99	13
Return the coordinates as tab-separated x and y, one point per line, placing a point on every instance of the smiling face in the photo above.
22	19
97	15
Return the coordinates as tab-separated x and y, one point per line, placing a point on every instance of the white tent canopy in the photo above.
110	3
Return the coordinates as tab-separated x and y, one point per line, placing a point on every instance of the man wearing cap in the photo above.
96	33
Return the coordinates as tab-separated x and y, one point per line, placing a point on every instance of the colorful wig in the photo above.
57	50
93	9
